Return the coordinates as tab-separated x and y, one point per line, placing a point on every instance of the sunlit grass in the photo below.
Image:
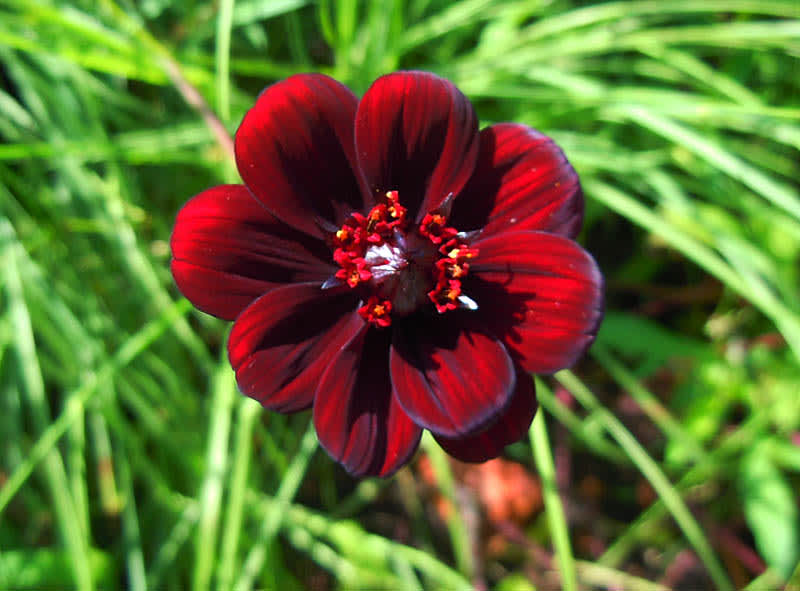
128	458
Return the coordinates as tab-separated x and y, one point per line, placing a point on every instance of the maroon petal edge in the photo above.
509	427
522	181
417	134
282	343
295	151
541	294
227	250
449	379
358	420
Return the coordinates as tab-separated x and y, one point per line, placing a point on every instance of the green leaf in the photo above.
515	582
770	511
653	343
49	568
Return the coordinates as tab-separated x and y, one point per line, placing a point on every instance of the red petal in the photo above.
509	428
227	250
283	342
417	134
358	421
450	379
295	151
522	181
541	293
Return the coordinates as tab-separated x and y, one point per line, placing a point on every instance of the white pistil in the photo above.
332	281
385	260
467	302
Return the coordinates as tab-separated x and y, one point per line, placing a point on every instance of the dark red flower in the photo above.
391	266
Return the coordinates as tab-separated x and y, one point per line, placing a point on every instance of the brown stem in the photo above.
470	513
195	100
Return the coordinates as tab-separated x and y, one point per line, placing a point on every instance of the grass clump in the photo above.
129	459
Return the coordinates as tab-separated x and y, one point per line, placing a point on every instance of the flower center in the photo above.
400	268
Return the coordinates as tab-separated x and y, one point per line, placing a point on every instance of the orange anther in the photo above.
445	295
376	311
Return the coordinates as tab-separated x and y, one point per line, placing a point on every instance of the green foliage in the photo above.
128	458
45	568
771	510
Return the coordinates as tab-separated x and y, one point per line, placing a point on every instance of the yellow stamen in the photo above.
456	271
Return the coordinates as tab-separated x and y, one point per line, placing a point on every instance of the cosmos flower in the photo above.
391	267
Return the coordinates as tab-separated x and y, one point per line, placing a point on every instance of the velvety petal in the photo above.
227	250
282	343
448	378
509	428
416	134
358	420
522	181
541	293
295	151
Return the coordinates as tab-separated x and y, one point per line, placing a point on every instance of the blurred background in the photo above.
668	458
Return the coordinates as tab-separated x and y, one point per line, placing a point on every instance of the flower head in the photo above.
392	267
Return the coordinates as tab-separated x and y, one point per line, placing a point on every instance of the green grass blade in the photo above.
168	551
648	402
556	518
323	526
457	528
784	318
78	399
248	412
223	56
778	194
597	575
131	531
269	528
592	438
210	495
72	534
650	469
